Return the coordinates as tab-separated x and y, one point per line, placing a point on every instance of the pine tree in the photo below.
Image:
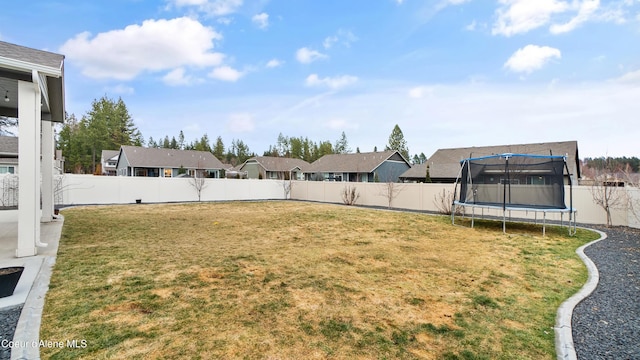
397	142
106	126
218	149
342	145
181	140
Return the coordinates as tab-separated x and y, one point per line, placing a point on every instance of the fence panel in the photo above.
70	189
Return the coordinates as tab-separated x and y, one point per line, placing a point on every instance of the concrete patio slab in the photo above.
34	282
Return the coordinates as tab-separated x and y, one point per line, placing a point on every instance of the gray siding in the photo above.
123	164
253	170
389	171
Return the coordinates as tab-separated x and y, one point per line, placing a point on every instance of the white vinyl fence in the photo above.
88	189
427	197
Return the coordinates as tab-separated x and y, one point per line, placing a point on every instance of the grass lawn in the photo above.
295	280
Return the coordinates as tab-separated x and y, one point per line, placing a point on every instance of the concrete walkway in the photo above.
34	282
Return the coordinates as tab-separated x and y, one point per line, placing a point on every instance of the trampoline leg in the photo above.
504	222
453	214
473	214
544	223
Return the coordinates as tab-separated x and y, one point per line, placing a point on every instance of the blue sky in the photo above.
451	73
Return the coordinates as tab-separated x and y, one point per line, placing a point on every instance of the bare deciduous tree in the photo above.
350	195
444	202
287	185
608	191
390	191
198	183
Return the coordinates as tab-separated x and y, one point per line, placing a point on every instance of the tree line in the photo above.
613	163
108	125
105	127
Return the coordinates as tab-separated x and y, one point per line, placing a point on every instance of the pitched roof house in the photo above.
158	162
108	161
444	164
384	166
271	167
8	155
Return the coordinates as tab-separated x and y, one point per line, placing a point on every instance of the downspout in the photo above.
36	84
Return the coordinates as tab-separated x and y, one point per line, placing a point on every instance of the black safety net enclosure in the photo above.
525	182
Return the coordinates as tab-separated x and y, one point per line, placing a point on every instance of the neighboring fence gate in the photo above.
9	191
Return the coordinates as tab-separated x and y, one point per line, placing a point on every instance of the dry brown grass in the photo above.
293	280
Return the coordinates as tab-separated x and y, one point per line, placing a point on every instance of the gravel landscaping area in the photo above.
606	325
8	321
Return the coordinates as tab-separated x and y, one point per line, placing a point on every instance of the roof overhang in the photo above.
50	80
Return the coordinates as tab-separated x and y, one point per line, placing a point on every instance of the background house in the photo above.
384	166
159	162
270	167
417	174
108	162
8	155
444	164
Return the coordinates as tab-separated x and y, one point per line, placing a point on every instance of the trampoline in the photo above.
514	182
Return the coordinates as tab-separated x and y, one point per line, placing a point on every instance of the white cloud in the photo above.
307	56
155	45
520	16
330	82
632	77
121	89
273	63
585	12
471	26
241	123
399	2
261	20
329	41
226	73
210	7
419	92
531	58
176	77
344	37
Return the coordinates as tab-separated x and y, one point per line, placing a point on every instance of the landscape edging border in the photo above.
565	349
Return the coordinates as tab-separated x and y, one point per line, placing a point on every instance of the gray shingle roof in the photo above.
272	163
418	171
108	154
445	163
18	62
32	56
354	163
170	158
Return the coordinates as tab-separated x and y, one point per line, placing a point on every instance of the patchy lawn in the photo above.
297	280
